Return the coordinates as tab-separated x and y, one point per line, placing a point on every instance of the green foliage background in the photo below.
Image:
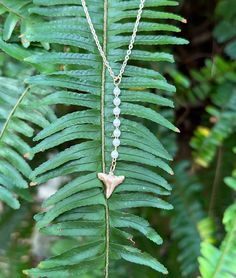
49	121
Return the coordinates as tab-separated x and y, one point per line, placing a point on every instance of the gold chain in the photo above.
116	78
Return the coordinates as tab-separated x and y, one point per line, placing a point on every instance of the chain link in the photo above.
113	166
116	78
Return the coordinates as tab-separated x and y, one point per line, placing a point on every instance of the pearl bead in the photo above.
116	101
117	132
114	154
116	111
116	122
116	91
116	142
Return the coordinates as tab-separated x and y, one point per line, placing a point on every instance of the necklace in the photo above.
110	180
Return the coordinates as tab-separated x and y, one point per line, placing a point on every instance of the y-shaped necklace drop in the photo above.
110	180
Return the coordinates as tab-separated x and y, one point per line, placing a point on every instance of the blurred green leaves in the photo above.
225	30
56	55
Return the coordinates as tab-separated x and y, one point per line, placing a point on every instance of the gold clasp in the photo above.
117	80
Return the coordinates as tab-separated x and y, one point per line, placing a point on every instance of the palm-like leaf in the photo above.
79	207
17	114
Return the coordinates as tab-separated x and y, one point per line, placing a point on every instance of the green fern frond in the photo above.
206	229
16	11
224	31
220	262
17	20
222	113
15	227
79	78
188	213
17	114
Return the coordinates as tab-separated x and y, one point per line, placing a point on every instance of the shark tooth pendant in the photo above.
111	182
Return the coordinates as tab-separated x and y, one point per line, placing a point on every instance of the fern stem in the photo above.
12	112
215	183
103	92
107	232
107	240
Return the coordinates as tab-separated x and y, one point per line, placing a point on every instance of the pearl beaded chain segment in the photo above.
110	180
